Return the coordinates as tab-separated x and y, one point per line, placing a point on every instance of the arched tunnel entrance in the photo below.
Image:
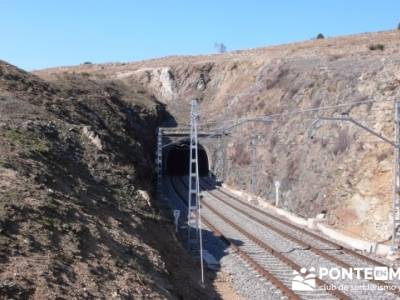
177	159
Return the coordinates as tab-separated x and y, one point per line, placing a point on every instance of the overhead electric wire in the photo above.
238	121
314	109
280	134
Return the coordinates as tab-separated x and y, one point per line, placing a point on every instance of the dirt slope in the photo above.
343	171
76	214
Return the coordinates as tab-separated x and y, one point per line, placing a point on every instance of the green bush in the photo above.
40	147
320	36
27	141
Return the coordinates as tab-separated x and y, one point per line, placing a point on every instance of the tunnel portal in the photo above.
177	160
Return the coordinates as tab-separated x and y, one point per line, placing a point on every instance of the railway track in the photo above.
270	264
339	254
333	254
314	240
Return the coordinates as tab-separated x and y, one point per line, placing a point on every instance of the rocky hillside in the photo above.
77	219
343	170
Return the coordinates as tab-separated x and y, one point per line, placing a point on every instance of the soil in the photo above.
77	212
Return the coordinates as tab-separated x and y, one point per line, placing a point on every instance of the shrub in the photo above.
320	36
15	136
342	143
374	47
221	48
87	63
398	26
41	147
26	141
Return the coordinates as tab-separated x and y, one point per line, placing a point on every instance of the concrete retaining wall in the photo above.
317	225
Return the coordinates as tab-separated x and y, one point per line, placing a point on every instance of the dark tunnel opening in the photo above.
177	160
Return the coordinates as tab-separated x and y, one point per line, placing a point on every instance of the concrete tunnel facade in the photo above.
176	159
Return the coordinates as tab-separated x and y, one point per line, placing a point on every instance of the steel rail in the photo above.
389	287
298	228
256	266
336	293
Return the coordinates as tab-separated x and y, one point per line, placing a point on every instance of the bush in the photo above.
220	47
41	147
87	63
398	26
26	141
320	36
342	143
374	47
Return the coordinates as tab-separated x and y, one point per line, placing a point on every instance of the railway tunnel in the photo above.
177	159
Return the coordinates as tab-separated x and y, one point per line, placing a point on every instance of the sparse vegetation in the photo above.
382	156
320	36
5	164
40	147
87	63
374	47
14	136
62	195
26	140
273	141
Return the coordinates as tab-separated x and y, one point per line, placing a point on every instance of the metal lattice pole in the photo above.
396	179
194	208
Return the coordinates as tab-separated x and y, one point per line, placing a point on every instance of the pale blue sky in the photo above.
44	33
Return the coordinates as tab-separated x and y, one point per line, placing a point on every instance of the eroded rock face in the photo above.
77	217
159	80
343	169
